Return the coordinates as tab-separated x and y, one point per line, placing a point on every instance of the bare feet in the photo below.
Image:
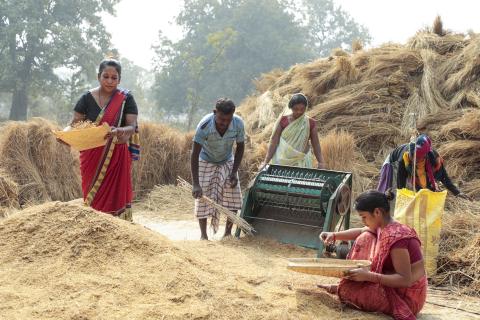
330	288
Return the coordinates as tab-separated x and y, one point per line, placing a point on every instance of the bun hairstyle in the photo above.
372	199
298	98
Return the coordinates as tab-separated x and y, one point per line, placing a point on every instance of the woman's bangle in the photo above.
334	237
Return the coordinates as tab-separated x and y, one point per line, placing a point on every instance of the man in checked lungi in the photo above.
214	167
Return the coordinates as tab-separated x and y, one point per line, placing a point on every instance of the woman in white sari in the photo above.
293	137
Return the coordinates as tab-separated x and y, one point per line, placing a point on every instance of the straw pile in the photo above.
373	100
43	169
339	153
459	258
165	154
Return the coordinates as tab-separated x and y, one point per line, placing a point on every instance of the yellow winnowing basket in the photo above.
423	211
86	138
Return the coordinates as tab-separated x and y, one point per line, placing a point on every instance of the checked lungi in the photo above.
215	185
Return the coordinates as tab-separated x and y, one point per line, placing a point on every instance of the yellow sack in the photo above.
423	211
86	138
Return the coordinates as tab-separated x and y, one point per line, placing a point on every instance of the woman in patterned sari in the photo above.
106	170
292	136
396	283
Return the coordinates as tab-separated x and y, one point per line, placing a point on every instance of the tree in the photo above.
328	26
226	44
40	36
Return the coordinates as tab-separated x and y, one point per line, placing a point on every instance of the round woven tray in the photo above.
326	267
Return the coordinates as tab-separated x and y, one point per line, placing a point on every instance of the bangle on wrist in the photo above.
334	237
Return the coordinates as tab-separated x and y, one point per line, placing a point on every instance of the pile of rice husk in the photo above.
66	261
164	155
374	100
42	168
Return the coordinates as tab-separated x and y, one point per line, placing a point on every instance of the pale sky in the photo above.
136	25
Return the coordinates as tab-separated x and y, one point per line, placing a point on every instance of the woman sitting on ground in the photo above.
292	133
396	284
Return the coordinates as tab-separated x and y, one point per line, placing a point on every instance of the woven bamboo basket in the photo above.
85	138
326	267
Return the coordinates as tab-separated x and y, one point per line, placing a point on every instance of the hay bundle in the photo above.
434	100
408	60
342	73
463	69
461	158
441	44
339	153
433	122
468	127
43	168
472	188
165	154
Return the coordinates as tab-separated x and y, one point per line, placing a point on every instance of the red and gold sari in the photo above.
400	303
106	170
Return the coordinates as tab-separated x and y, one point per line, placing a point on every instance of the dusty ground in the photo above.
64	261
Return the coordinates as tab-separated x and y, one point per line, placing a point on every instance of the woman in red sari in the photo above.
396	283
106	170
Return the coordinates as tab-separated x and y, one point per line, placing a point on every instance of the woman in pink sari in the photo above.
396	283
106	170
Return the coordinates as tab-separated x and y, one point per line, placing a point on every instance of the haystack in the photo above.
42	168
430	84
165	155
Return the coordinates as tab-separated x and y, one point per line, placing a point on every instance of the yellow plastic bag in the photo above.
423	211
86	138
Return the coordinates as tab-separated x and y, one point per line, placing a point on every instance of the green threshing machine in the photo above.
294	205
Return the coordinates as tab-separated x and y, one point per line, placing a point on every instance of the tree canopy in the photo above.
37	37
226	44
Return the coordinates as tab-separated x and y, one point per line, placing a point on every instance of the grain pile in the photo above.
65	261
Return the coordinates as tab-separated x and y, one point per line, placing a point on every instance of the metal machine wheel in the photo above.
343	199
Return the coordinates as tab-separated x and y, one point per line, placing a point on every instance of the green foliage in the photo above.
40	36
226	44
